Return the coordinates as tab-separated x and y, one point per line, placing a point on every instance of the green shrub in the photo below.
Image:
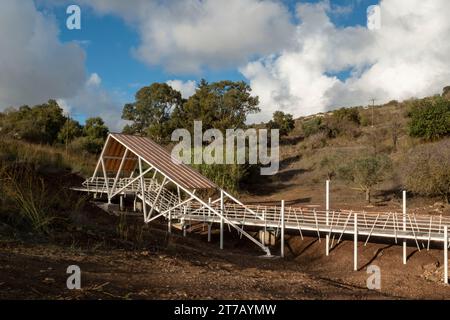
312	126
430	118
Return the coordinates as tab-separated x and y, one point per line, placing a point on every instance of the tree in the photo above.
220	105
39	124
283	122
69	131
428	170
331	165
150	113
430	118
95	132
366	172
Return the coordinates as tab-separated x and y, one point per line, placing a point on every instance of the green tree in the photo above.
220	105
430	118
151	112
283	122
94	134
69	131
331	164
39	124
366	172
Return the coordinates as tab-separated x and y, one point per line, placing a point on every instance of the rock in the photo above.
49	280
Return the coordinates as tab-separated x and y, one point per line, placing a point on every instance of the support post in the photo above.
327	208
355	245
404	226
282	228
221	219
169	223
144	206
121	203
209	222
446	254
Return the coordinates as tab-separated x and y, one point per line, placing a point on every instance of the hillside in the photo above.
308	156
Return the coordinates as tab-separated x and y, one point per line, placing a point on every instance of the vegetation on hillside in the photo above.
47	124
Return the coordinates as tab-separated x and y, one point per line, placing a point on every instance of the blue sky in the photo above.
108	42
301	57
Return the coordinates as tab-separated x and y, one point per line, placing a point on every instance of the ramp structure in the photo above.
138	167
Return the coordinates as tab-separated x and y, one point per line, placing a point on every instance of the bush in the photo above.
312	126
31	202
430	118
318	140
428	170
347	114
366	171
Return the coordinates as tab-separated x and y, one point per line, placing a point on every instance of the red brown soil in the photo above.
173	267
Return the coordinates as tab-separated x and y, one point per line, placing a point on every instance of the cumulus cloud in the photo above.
186	36
92	100
34	65
187	88
406	57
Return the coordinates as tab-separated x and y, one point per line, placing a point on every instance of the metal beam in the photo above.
118	172
156	199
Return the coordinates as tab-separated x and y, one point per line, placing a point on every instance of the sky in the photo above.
301	57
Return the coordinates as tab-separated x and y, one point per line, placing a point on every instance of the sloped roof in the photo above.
154	155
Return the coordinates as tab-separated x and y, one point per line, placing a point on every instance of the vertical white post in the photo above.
169	223
355	245
446	254
327	208
404	226
221	219
282	228
121	203
134	204
209	222
183	223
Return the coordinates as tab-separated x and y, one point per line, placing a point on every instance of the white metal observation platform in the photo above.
138	167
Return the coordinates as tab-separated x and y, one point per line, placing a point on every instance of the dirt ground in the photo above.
174	267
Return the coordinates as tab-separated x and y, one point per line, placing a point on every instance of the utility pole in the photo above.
373	107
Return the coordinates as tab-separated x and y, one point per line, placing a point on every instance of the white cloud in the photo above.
93	100
187	88
185	36
408	56
94	80
34	65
